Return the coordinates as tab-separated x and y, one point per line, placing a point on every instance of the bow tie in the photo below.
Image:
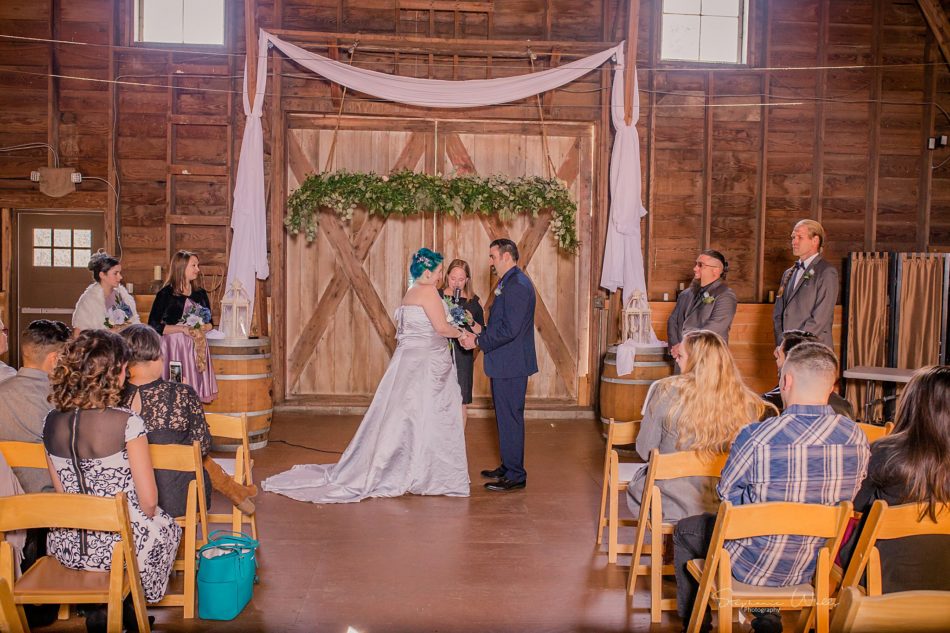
799	265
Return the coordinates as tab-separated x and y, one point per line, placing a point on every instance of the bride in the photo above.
411	439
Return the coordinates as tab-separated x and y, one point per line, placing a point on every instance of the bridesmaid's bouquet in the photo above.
118	315
196	317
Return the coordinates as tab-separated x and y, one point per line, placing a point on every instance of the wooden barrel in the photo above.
622	397
242	368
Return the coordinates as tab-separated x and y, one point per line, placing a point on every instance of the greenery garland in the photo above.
409	193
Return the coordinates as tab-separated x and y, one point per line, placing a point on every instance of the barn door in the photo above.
343	288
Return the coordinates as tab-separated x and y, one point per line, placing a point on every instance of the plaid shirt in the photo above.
809	454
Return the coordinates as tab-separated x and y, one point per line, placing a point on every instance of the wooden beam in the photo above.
874	133
939	25
250	45
630	58
925	185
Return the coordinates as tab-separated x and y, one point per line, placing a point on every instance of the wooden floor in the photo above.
523	561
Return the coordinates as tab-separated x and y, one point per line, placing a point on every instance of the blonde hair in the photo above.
814	228
458	263
712	403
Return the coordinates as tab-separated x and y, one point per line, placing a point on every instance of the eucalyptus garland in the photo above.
410	193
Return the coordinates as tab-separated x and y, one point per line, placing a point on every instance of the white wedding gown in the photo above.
412	438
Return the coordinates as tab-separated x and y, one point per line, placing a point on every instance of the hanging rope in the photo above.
545	146
339	114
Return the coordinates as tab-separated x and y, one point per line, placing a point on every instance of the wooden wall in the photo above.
843	145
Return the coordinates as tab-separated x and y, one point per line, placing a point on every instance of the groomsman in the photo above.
708	304
508	344
809	289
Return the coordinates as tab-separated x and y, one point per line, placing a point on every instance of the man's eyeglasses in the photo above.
702	265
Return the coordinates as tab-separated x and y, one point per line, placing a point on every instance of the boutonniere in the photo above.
808	275
708	298
498	290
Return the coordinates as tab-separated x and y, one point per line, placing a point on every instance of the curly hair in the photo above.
712	403
423	260
89	372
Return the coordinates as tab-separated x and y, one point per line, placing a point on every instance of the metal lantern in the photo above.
236	312
635	322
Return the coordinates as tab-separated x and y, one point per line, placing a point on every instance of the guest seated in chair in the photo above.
173	414
105	304
912	465
95	448
808	454
24	399
702	409
790	339
181	313
6	371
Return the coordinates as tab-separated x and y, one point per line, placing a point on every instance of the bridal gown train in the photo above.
412	438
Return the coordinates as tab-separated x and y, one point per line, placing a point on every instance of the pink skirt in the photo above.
180	348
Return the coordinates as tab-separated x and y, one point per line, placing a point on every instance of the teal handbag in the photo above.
227	571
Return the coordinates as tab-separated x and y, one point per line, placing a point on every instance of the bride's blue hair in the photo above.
423	260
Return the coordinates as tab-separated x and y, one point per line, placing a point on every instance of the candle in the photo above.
771	296
157	273
130	287
666	296
682	286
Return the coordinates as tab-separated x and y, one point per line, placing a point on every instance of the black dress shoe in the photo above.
498	473
504	485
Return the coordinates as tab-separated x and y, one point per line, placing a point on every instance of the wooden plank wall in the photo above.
843	145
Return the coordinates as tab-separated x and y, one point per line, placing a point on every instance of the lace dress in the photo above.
172	414
411	439
87	449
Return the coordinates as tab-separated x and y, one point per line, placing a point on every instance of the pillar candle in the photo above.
666	296
157	273
771	296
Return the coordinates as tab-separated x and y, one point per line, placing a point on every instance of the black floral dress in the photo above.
88	450
173	414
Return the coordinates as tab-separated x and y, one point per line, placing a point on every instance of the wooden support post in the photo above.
630	59
250	43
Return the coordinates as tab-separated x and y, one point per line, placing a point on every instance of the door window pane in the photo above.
62	257
42	237
62	237
81	257
82	238
42	257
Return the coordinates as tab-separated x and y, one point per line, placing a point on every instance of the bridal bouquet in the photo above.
118	315
457	316
196	317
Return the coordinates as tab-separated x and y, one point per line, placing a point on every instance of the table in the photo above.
877	374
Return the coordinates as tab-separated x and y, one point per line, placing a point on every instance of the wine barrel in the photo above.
622	397
242	368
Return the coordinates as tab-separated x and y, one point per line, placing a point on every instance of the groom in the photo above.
508	344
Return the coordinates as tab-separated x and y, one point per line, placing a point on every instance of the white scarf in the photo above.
90	312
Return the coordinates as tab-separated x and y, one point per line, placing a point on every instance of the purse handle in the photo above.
230	539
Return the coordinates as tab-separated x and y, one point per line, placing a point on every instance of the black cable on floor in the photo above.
309	448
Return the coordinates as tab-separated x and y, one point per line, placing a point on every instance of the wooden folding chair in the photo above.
718	589
876	431
24	454
240	467
901	612
182	458
663	467
886	523
9	616
49	582
618	434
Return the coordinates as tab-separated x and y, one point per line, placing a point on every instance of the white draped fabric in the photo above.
623	267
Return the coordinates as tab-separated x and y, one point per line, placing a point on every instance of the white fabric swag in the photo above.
623	260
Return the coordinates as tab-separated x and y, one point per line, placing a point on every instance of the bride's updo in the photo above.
421	261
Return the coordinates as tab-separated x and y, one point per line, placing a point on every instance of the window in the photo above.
61	248
705	30
179	21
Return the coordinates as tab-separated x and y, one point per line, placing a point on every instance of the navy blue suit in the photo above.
508	344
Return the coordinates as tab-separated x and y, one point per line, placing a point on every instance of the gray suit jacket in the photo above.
714	315
811	305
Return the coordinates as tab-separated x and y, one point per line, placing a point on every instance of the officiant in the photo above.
458	291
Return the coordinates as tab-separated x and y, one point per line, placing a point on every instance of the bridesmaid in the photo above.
181	313
105	304
459	278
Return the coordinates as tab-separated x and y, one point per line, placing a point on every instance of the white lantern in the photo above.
635	321
236	312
